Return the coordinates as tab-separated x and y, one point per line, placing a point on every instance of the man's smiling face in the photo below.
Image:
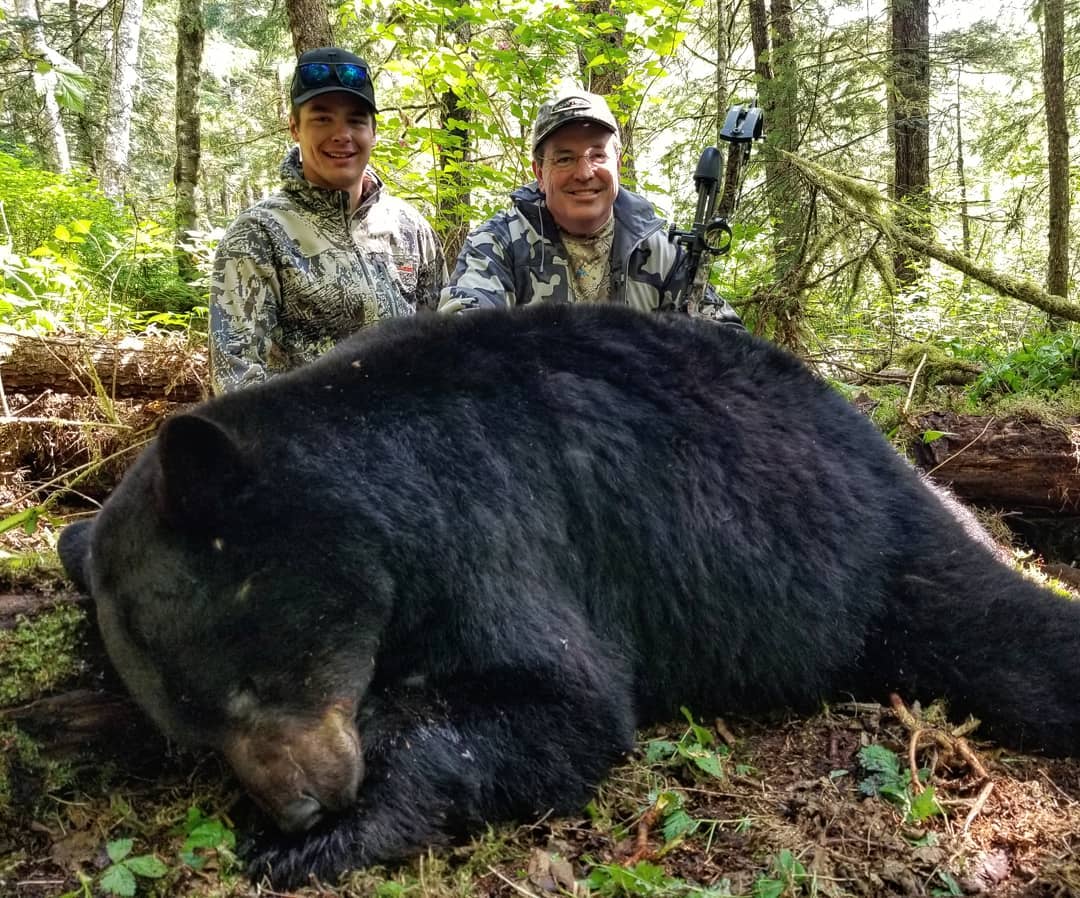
579	176
336	132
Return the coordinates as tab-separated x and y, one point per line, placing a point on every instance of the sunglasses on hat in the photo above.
320	74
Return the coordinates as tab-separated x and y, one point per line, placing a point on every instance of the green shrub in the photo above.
36	202
70	256
1045	362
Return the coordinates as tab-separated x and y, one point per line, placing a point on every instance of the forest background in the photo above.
908	208
914	183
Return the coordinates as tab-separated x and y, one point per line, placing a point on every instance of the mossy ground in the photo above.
38	655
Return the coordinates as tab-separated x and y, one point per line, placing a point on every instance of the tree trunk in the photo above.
961	180
85	722
1057	131
190	32
121	98
309	25
723	60
1014	464
911	124
125	368
780	312
37	52
729	194
81	721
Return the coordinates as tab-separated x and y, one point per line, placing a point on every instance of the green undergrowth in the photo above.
1038	379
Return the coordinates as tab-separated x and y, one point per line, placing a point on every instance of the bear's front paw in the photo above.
289	862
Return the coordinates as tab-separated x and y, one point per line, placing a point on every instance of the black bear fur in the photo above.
500	541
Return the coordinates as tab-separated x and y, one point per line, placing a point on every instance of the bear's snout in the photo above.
299	770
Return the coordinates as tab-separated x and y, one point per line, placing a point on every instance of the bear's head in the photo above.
213	568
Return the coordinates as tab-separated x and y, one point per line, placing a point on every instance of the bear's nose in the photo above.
300	814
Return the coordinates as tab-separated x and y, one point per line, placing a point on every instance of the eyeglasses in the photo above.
319	74
569	161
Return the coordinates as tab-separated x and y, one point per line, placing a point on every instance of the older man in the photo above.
332	251
573	235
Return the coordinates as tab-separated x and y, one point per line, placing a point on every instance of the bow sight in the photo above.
710	235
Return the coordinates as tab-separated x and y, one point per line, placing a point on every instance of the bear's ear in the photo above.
73	547
203	472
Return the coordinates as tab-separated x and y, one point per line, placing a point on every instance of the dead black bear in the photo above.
438	577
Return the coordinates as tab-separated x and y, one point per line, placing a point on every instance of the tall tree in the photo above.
1057	131
45	78
190	34
773	36
125	75
961	181
725	206
910	124
309	24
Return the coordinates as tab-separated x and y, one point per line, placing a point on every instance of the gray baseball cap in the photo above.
572	106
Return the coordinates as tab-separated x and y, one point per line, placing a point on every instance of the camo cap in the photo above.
572	106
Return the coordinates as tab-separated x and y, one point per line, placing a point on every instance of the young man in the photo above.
574	235
331	251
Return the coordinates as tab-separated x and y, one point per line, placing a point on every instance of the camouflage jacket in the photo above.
296	273
518	257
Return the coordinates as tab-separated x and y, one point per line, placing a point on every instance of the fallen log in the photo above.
1010	463
157	367
84	722
16	610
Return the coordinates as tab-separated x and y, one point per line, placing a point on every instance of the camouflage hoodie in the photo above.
296	273
518	257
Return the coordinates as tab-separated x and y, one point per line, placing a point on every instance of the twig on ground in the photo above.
644	828
914	380
1057	788
64	422
858	707
949	743
984	794
913	762
725	734
517	888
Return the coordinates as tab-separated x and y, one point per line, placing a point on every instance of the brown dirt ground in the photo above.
782	789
